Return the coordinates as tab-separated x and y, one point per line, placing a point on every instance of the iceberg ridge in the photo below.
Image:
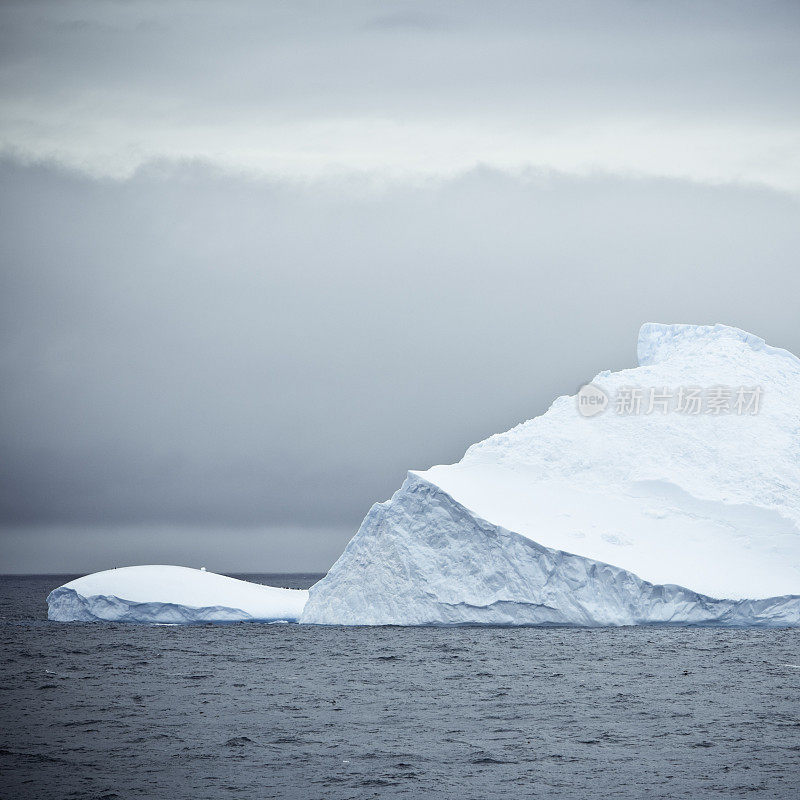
610	520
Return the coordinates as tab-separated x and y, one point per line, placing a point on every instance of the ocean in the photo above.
108	710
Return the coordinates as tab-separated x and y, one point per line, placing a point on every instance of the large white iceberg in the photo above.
651	515
165	594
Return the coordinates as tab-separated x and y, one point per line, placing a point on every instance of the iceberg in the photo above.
167	594
640	508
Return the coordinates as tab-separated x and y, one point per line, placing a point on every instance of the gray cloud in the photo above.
702	90
408	20
191	348
259	259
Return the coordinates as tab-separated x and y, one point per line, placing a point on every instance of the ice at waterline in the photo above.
676	500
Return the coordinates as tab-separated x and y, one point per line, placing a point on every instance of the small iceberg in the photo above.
168	594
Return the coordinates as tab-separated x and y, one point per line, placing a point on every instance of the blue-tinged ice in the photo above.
655	515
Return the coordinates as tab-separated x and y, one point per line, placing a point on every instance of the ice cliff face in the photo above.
631	516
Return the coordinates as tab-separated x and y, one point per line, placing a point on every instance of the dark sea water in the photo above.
289	711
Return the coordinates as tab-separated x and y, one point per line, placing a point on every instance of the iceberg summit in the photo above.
664	494
677	502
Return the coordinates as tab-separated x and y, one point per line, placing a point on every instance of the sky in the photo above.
257	260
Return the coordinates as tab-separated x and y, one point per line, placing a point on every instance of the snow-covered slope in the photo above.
616	518
168	594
